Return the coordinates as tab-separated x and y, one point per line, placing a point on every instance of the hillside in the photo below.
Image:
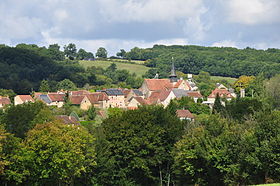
134	67
229	62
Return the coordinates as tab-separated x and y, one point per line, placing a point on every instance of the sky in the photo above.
124	24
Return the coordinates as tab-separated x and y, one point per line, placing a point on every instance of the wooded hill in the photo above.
231	62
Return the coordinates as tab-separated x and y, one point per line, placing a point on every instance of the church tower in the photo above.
173	77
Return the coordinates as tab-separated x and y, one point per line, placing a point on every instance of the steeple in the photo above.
173	77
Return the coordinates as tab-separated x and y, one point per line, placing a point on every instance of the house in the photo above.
53	99
20	99
179	93
223	93
4	101
116	98
57	99
97	99
185	115
68	120
195	95
135	102
132	93
76	99
161	97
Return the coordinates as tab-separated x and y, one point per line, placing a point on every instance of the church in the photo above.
155	85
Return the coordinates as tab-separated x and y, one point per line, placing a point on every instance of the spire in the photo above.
173	76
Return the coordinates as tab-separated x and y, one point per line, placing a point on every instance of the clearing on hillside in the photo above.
132	68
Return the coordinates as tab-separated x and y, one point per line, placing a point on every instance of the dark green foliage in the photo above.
19	119
66	84
101	53
70	51
189	104
217	61
242	108
82	54
135	147
44	86
91	113
218	107
217	151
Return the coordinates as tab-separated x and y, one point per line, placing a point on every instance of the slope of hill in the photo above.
230	62
122	65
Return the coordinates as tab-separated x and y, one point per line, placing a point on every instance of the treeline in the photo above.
231	62
24	67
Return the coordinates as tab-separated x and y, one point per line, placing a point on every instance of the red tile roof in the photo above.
194	94
68	119
37	94
26	98
179	83
158	84
184	114
79	92
56	97
77	99
158	96
222	93
5	100
141	100
97	96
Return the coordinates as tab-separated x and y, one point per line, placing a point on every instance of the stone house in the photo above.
4	101
185	115
97	99
20	99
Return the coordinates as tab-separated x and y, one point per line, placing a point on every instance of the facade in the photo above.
20	99
116	98
135	102
98	100
53	99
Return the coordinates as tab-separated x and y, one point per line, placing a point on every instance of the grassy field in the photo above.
218	78
132	68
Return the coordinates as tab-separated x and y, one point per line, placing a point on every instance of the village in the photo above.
152	92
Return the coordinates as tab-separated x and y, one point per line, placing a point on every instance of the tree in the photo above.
101	53
18	119
122	53
55	52
44	86
66	84
82	54
243	82
91	113
218	107
135	147
272	88
70	51
55	153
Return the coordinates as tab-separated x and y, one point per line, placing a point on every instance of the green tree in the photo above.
218	107
101	53
91	113
66	84
122	53
70	51
135	147
82	54
18	119
272	88
44	86
55	153
55	52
